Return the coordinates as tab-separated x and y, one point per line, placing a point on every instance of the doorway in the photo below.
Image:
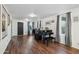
28	28
20	28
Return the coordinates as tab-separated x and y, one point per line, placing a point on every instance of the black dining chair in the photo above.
45	37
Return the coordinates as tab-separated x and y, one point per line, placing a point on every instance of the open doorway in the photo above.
30	27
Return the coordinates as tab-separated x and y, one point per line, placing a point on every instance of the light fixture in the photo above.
32	15
26	19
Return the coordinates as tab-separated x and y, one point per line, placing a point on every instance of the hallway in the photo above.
28	45
39	29
47	22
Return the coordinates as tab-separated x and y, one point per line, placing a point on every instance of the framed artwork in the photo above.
4	22
52	21
47	23
76	19
4	30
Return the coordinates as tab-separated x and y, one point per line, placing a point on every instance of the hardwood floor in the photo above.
28	45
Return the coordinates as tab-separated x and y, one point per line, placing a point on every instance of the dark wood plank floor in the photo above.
28	45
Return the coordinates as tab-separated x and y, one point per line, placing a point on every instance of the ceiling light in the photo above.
32	15
26	19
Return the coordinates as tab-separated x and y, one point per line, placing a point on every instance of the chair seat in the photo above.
51	37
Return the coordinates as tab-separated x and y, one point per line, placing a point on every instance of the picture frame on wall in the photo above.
4	30
4	22
47	23
76	19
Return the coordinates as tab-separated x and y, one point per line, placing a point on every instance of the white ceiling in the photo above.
23	10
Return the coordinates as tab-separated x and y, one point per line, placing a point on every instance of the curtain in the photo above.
37	24
33	25
68	30
57	30
40	23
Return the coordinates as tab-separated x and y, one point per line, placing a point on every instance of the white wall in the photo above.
4	42
25	28
75	28
51	26
14	27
